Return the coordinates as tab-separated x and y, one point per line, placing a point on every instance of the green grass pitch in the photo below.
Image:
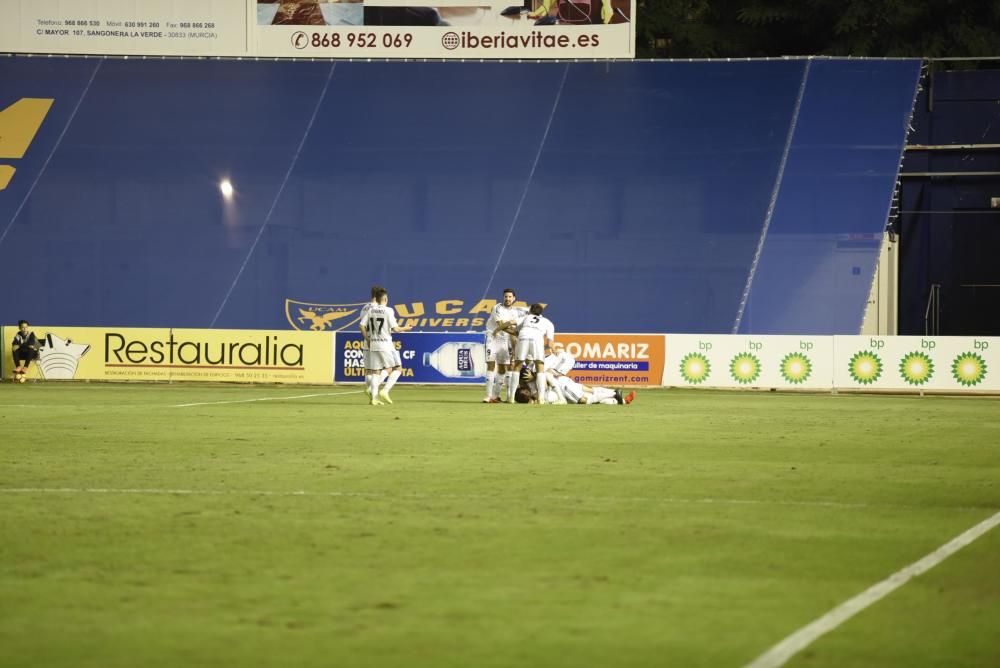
692	528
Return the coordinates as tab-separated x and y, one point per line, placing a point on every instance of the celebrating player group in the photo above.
514	337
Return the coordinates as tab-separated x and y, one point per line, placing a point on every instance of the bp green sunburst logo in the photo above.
969	369
865	367
916	368
695	368
795	368
745	368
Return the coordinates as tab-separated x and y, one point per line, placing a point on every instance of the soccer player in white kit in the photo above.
565	390
558	363
503	316
578	393
361	322
534	334
377	328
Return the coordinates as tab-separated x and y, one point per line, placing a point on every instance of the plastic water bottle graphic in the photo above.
458	359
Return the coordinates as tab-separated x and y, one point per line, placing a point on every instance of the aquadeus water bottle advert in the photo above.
427	357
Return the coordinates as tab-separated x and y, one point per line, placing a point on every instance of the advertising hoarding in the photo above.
425	357
114	27
433	357
612	360
819	363
491	29
917	363
735	361
448	29
212	355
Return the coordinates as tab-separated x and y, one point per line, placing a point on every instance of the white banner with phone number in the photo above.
126	27
467	29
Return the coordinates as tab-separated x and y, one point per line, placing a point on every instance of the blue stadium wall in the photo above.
698	197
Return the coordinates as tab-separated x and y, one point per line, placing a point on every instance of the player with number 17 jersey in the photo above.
380	321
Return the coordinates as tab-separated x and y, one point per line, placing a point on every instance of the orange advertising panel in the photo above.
616	359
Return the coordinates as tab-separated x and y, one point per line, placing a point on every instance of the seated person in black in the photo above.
25	348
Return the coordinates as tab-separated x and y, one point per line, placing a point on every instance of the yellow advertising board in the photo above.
209	355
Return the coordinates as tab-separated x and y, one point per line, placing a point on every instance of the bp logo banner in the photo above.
734	361
943	363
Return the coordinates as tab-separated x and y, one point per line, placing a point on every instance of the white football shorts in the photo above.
498	351
529	349
377	360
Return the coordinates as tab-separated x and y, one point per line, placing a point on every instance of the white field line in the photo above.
431	496
248	401
204	403
784	650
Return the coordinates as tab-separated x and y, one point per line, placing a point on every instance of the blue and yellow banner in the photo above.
426	357
441	315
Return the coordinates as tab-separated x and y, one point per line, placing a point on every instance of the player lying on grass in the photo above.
558	362
568	391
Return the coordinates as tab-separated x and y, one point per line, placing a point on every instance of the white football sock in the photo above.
393	377
540	384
